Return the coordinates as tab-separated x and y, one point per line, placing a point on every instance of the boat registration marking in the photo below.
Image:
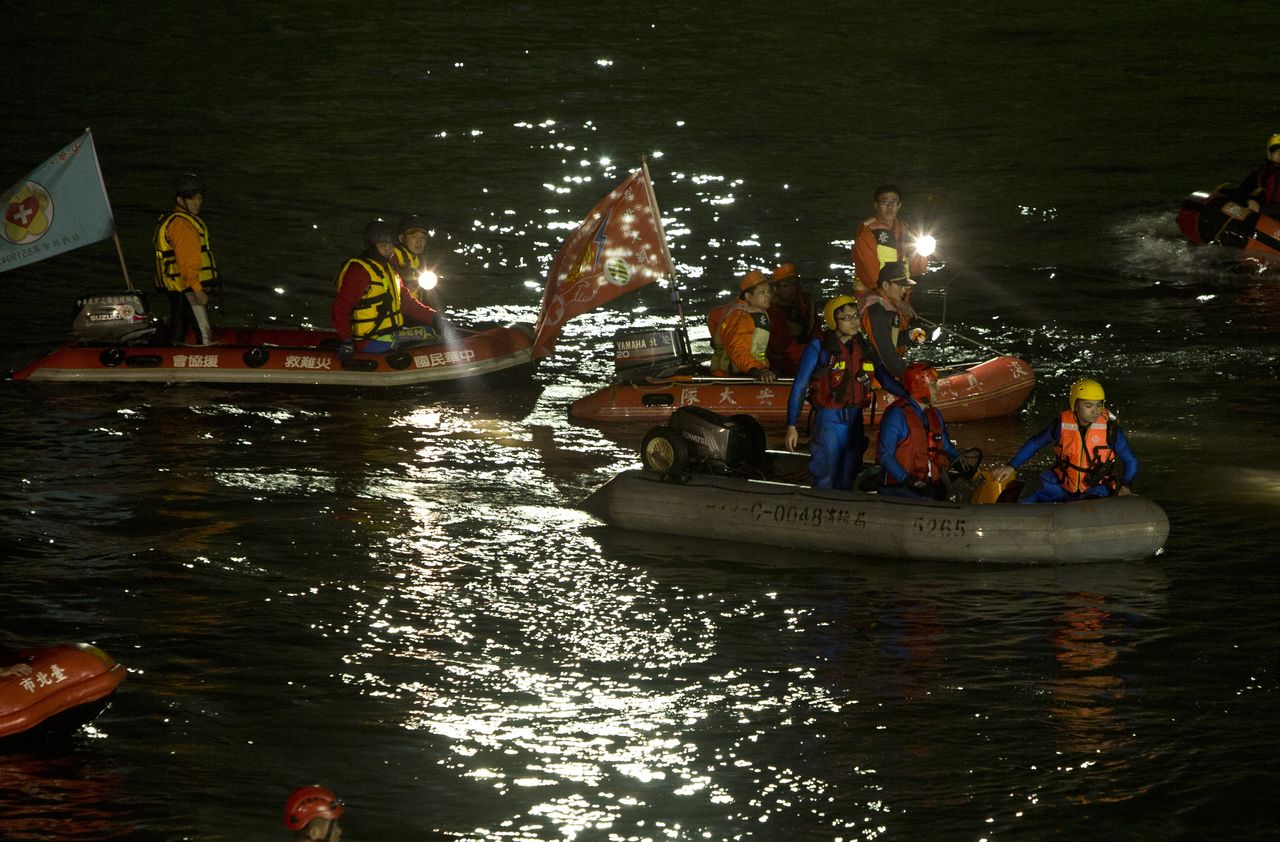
943	527
813	515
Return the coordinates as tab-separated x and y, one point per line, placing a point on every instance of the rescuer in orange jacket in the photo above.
793	320
740	332
1093	456
883	238
886	318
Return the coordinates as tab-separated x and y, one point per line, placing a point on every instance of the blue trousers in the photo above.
1051	492
836	448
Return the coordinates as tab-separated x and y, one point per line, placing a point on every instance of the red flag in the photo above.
619	247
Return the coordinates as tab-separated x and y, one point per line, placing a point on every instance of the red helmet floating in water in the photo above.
311	802
916	379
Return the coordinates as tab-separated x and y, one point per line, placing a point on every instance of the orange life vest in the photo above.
1082	461
922	453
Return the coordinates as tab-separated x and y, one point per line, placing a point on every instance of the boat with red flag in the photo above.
655	375
619	247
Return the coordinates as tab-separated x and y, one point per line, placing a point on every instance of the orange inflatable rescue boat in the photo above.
54	688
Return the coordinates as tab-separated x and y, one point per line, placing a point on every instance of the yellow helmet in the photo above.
1085	389
1273	142
829	311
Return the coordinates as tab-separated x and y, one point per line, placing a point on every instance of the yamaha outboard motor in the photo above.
641	355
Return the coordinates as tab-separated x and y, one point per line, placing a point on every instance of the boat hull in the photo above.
54	688
297	357
858	525
988	389
1218	219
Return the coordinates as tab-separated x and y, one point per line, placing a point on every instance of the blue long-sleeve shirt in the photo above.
1052	434
804	373
894	430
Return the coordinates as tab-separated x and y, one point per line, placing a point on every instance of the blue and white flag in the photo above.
61	205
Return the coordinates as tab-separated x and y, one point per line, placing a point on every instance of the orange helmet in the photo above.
311	802
786	270
916	379
753	278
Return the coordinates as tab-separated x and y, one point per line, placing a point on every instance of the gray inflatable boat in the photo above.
857	524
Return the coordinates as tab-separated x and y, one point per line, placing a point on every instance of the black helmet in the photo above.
187	184
379	232
412	222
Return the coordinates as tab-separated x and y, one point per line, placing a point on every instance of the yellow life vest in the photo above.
378	310
167	274
407	260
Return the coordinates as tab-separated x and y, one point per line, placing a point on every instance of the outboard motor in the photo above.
640	355
697	440
120	318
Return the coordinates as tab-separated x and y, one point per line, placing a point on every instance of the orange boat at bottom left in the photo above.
54	688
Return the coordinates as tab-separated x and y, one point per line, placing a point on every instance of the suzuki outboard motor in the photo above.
120	318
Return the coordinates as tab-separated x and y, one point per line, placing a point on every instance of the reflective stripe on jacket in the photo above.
378	310
168	274
743	341
1076	456
843	376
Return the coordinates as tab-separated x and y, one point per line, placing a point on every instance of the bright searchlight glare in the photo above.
925	244
427	279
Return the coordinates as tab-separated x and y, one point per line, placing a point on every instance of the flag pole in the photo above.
115	235
123	268
662	236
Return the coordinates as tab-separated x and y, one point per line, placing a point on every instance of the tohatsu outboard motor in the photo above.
697	440
120	318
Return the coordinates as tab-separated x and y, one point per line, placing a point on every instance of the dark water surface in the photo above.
396	595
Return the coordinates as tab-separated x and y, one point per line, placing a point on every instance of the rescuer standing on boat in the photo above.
312	813
913	448
880	239
793	320
1094	458
185	268
740	339
835	374
885	319
1261	190
371	304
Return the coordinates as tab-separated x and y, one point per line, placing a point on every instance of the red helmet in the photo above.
916	379
311	802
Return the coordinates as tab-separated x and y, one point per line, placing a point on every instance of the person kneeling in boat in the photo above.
886	318
371	305
740	338
793	320
312	812
1261	190
835	374
185	268
1094	458
913	448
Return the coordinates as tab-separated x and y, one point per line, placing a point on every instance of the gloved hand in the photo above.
917	335
346	350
